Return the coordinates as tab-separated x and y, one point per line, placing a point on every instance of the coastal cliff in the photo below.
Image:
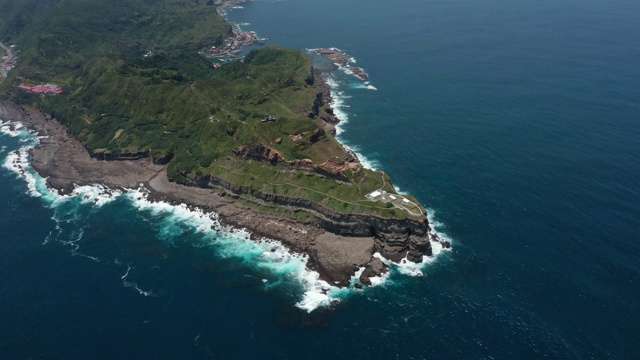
337	244
251	140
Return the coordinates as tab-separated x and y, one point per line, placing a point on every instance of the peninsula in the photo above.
250	140
340	58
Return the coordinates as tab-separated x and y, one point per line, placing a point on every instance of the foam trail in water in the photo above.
264	253
367	85
130	284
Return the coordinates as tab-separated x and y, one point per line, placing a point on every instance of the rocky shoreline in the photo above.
337	245
341	59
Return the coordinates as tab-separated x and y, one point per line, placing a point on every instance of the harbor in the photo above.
236	42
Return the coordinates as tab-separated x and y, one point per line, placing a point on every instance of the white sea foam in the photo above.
405	267
379	280
13	129
338	103
338	99
263	253
318	292
399	190
347	71
355	278
130	284
409	268
286	267
365	86
18	162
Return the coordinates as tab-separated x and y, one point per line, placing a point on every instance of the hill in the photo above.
135	86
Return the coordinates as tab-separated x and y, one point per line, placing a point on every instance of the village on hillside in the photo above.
235	42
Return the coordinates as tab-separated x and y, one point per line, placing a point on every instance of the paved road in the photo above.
10	56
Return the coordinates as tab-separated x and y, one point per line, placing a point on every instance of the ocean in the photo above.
517	123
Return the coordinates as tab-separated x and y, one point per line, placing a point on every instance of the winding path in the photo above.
9	57
313	190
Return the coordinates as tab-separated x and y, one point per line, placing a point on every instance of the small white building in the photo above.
375	195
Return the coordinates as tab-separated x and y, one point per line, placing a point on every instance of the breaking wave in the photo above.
339	106
366	85
285	268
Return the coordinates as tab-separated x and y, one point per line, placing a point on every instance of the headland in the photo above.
340	58
251	140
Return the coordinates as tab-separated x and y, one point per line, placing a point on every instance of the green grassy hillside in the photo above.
134	84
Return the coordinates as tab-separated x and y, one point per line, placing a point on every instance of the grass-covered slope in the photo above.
134	84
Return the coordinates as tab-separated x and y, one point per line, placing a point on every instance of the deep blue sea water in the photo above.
516	122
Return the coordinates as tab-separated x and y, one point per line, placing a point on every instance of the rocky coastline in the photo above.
337	244
340	58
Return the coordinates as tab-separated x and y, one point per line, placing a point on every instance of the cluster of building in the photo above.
396	200
46	89
385	196
233	45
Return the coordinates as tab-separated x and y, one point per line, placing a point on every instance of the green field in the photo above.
135	84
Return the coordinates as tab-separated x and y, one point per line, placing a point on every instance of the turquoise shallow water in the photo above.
517	122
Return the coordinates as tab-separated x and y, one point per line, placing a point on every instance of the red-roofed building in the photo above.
43	89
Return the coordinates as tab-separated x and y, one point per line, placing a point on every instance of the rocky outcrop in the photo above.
259	152
375	268
321	109
329	169
395	239
316	136
337	244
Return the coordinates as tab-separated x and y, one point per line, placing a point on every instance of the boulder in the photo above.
375	267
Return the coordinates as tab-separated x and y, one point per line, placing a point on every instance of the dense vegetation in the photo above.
135	85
